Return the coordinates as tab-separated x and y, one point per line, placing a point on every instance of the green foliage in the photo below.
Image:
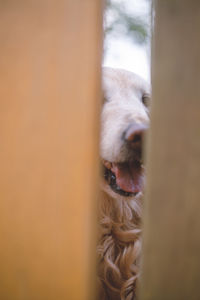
119	21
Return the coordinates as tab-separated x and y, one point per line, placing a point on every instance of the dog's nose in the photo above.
134	135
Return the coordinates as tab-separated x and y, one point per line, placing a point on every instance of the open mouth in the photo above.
124	178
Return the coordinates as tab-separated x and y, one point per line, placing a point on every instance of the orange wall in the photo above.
50	91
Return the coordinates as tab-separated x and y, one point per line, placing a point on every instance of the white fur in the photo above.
123	91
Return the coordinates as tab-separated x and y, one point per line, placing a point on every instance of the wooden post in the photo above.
50	91
171	259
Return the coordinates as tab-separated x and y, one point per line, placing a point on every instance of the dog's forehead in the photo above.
118	81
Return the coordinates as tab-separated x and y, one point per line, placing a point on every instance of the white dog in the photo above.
124	121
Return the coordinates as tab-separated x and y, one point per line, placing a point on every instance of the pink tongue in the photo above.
128	177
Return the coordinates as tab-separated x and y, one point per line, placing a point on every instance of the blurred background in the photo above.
127	35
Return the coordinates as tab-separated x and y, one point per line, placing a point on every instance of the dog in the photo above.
124	122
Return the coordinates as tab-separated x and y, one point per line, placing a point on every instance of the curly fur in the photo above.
119	243
119	246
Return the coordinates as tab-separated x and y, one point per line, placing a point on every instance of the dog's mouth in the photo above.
124	178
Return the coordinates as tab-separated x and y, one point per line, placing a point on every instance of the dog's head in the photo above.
124	121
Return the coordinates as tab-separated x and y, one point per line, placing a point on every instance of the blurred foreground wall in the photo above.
171	259
49	90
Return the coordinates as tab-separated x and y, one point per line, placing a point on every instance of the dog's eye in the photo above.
104	99
146	100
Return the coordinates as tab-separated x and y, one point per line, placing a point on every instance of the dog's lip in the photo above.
128	176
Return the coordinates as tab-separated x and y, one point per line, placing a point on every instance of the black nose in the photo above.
134	135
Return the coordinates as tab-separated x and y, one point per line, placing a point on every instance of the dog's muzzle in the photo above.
127	178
